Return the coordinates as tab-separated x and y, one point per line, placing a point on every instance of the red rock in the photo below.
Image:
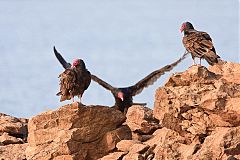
139	148
141	137
13	152
140	119
12	125
229	70
164	136
125	145
221	144
198	111
111	138
196	100
133	156
6	139
73	130
114	156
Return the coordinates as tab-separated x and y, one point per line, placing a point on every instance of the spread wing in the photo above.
102	83
152	77
64	63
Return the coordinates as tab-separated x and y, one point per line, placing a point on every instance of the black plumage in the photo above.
199	44
74	80
124	96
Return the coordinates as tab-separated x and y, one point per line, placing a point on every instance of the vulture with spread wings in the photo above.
74	80
199	44
124	96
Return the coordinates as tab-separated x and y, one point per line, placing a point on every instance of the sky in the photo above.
120	41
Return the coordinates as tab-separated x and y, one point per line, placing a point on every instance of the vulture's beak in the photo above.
181	29
120	96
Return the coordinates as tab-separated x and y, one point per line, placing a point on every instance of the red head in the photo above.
183	27
76	62
186	26
120	95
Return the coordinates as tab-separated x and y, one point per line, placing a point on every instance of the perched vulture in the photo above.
199	44
124	96
74	80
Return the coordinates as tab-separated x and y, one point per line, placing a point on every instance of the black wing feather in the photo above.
152	77
64	63
102	83
206	35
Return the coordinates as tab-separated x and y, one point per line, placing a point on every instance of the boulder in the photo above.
223	143
74	131
16	127
228	70
125	145
166	142
196	101
141	120
198	109
139	148
6	139
111	138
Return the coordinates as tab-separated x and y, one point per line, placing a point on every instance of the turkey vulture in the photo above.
74	80
199	44
124	96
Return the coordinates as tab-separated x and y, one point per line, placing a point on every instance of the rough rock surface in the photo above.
13	152
199	112
223	143
114	156
196	116
125	145
141	122
13	136
75	131
6	139
15	127
198	106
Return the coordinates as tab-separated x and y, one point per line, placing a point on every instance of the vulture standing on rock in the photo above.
124	96
199	44
74	80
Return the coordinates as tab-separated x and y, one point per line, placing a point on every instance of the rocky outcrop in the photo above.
141	122
222	143
196	115
198	105
13	127
75	132
13	136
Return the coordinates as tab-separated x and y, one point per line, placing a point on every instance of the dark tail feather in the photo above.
211	58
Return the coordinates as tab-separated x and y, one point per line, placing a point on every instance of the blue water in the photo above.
120	41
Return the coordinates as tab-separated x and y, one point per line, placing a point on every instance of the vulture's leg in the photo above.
80	98
200	61
73	99
194	63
